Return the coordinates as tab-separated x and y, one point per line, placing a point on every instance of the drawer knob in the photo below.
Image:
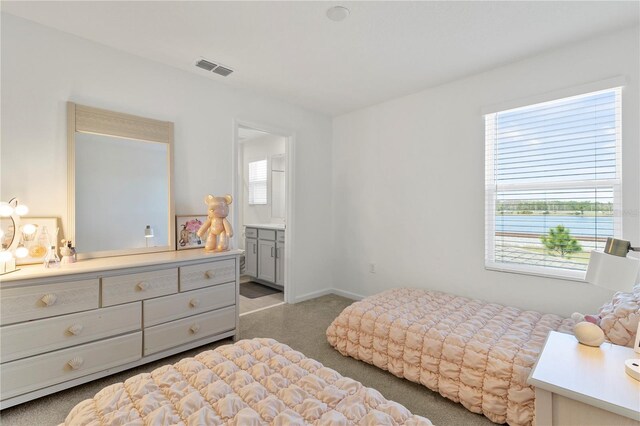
195	328
49	299
143	285
75	363
210	274
75	329
194	303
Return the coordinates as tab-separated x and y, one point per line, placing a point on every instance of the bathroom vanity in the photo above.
264	253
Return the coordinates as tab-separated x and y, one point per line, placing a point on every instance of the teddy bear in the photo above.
219	227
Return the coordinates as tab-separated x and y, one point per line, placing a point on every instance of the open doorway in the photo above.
262	206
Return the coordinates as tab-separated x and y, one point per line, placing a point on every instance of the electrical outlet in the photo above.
372	268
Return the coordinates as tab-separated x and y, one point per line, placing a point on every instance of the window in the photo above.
553	182
258	182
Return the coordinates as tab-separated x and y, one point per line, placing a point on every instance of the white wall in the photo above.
408	180
43	68
257	149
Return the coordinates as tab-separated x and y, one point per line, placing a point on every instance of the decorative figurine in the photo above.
52	260
68	252
587	329
219	227
588	333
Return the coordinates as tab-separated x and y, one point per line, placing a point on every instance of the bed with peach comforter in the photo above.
252	382
476	353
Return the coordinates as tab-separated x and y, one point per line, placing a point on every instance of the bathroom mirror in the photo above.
278	192
120	183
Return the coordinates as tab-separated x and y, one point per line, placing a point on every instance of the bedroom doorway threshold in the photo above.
255	296
261	309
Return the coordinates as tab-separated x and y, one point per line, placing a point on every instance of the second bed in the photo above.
476	353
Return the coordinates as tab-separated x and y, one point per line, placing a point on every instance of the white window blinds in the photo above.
258	182
553	183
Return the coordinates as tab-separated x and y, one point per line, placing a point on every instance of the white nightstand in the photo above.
580	385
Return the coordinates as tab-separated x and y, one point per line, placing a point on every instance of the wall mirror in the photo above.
278	192
120	183
8	238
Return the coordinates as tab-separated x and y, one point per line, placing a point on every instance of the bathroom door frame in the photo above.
289	150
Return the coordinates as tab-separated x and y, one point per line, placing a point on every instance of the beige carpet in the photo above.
300	326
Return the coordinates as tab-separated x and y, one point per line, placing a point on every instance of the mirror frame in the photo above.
84	119
15	240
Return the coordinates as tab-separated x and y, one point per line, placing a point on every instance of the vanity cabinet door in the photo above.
280	263
251	257
267	260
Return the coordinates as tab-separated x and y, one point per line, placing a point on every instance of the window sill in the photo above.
546	272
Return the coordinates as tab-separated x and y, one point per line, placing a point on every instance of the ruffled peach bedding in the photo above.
476	353
252	382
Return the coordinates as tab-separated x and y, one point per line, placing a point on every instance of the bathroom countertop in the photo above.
277	226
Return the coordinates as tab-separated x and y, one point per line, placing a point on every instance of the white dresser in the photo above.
63	327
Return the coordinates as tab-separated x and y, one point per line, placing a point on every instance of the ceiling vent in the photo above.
210	66
205	65
222	71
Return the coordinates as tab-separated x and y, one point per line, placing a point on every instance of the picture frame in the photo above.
38	244
186	228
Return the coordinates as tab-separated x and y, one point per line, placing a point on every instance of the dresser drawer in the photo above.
165	336
40	371
251	233
36	337
176	306
267	234
207	274
41	301
144	285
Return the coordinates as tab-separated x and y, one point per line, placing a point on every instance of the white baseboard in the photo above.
347	294
313	295
326	291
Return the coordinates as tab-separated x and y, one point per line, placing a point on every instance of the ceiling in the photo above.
291	51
